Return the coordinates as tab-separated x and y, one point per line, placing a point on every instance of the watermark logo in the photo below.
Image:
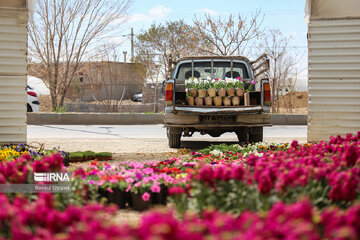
52	177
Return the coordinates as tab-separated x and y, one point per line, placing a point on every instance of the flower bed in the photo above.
40	220
217	92
328	173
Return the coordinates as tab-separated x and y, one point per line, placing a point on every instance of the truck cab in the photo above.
246	119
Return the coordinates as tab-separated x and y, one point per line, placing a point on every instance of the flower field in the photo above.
259	191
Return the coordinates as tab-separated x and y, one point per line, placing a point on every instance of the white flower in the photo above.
217	153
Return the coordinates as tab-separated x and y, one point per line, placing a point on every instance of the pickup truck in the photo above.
246	119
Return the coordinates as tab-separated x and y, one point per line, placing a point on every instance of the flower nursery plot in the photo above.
260	191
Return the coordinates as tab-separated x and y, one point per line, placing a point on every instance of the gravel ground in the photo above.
135	147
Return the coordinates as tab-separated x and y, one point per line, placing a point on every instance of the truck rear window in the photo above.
220	70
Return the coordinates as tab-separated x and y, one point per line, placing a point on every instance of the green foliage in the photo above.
61	109
103	154
77	154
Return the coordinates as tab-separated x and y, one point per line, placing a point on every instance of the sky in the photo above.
286	15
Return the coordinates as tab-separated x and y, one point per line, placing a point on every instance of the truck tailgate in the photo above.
218	110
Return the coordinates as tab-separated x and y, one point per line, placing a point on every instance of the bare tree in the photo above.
230	35
155	44
283	61
63	32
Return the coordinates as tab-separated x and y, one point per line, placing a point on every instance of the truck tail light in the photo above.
267	94
32	93
169	93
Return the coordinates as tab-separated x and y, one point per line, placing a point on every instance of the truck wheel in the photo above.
256	135
174	137
242	136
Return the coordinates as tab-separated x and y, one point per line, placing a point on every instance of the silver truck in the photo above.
246	120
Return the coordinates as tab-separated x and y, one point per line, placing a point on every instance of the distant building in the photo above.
98	81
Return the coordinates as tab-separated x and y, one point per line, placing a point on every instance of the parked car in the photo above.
33	104
137	97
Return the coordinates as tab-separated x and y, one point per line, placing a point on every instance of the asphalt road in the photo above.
144	131
129	139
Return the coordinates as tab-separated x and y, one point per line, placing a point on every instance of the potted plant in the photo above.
249	85
220	87
76	156
227	101
190	100
239	86
190	86
218	101
208	101
199	101
117	194
230	86
211	89
88	155
202	88
235	101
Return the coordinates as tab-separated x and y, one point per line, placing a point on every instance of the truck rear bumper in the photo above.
217	110
186	119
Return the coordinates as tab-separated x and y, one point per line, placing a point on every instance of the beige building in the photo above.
13	69
334	68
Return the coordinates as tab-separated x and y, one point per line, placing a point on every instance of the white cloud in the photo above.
156	13
159	11
208	11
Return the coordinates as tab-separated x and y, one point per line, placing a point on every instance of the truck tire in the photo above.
242	136
256	135
174	137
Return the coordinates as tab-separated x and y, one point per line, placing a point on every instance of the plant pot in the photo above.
193	92
235	101
190	101
240	92
138	203
103	158
202	93
103	193
199	101
221	92
227	101
218	101
230	92
118	197
66	161
76	159
164	194
211	92
208	101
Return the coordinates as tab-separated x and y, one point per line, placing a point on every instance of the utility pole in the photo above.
124	52
132	45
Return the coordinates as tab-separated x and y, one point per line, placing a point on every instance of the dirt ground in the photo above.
296	101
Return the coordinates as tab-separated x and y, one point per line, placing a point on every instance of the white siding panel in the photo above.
13	70
334	78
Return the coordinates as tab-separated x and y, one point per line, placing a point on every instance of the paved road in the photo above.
139	138
143	131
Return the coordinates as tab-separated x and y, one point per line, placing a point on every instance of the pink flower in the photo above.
109	190
252	82
145	196
176	190
155	188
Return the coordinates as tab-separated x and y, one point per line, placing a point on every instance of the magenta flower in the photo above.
155	188
145	196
